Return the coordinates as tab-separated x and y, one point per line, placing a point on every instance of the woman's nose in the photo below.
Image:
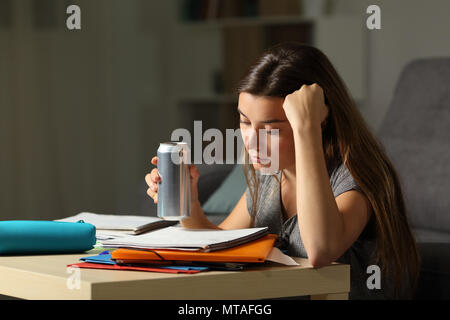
251	139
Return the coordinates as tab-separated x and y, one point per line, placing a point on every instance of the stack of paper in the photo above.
104	261
173	248
256	251
177	249
176	237
115	226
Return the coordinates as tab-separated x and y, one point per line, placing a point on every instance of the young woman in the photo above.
336	195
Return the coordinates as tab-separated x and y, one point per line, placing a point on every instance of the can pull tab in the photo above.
80	221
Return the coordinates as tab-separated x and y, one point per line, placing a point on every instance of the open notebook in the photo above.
114	225
180	238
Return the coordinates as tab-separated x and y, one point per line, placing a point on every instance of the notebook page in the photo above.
112	221
275	255
182	237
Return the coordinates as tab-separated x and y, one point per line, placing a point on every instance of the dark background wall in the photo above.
82	112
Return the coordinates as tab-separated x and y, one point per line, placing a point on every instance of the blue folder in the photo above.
105	258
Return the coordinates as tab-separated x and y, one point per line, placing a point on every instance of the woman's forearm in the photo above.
319	220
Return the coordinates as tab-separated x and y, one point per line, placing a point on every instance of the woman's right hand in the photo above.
153	178
152	181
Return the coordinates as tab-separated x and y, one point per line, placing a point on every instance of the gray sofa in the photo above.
416	136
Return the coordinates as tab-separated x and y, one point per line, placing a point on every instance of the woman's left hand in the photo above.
306	108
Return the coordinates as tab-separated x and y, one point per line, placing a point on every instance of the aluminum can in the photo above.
174	189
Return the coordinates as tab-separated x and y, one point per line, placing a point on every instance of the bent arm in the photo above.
328	226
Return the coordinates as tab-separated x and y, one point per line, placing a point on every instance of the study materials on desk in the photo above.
255	251
106	234
114	226
95	262
89	265
236	258
104	261
180	238
275	255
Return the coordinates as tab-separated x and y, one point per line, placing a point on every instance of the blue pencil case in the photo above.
37	237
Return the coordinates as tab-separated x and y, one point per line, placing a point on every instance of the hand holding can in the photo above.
173	184
153	178
152	181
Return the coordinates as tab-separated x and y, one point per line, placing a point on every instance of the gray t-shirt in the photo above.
360	255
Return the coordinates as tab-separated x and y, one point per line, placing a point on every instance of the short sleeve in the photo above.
342	181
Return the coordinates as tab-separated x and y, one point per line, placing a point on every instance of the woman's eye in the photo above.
244	122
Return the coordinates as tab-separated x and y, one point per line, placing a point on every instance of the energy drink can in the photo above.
174	189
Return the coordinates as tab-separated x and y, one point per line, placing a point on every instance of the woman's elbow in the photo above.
319	260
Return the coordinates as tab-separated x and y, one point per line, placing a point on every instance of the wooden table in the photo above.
47	277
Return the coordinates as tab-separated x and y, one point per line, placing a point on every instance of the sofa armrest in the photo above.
211	177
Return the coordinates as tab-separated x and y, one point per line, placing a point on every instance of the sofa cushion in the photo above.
416	135
225	198
211	177
429	235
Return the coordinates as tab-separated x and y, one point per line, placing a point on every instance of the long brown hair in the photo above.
347	139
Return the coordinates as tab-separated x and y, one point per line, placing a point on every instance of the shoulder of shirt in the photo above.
266	182
339	170
267	177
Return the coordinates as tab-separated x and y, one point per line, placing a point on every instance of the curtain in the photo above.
68	114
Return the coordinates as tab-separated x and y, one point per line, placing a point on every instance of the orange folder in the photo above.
251	252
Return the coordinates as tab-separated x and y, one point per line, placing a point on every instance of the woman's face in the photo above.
267	113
